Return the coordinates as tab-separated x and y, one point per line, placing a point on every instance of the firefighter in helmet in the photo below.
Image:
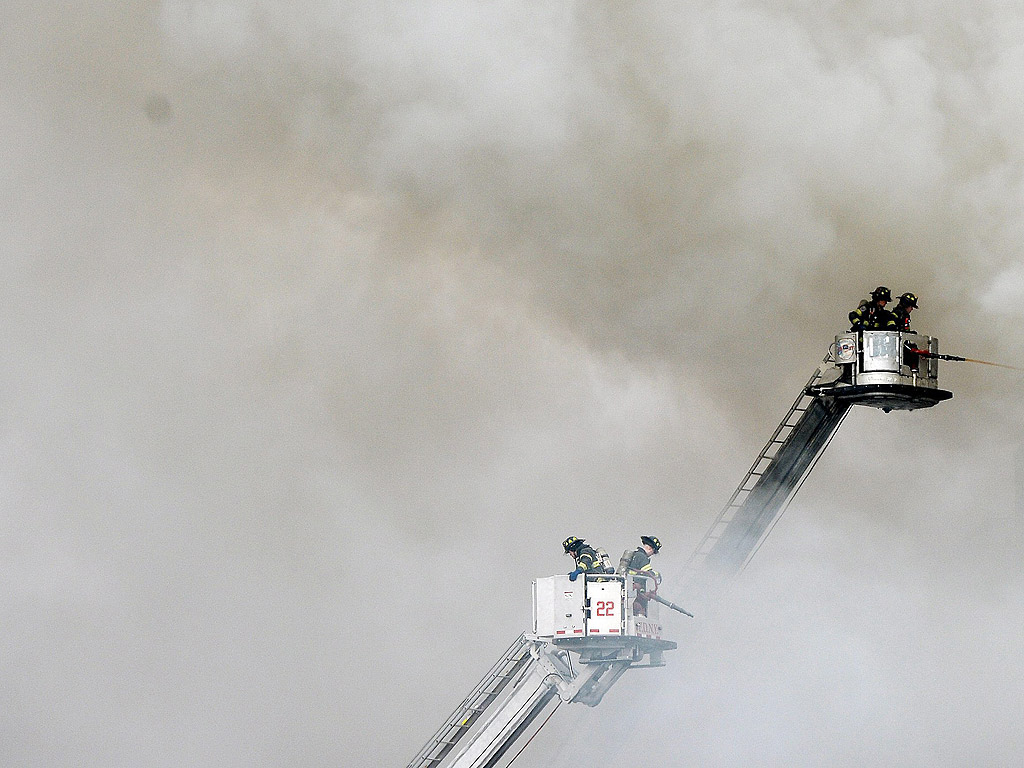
638	563
586	557
907	303
640	560
872	315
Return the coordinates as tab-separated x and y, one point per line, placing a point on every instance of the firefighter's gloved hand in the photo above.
574	574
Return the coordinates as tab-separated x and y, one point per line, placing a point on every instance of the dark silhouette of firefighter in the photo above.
871	315
907	303
587	558
638	564
640	559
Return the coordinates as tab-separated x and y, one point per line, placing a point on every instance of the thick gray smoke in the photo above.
324	323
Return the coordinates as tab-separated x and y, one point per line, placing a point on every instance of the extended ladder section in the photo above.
879	369
508	668
770	483
587	633
504	706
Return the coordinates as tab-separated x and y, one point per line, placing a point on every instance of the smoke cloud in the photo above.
324	323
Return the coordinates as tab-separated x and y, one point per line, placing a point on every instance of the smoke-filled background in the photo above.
323	323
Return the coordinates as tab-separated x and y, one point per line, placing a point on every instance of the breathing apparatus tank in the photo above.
624	561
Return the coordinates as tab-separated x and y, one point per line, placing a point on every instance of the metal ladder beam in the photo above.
506	669
545	675
769	484
549	679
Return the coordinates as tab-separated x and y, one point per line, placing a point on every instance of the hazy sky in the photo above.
323	323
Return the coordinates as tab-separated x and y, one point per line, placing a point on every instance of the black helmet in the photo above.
652	542
881	293
909	300
572	544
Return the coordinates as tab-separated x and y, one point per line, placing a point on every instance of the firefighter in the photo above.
907	303
640	560
638	563
586	557
872	315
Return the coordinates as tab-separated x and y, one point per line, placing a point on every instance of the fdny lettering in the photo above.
648	628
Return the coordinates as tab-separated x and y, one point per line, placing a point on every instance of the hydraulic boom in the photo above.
587	633
880	369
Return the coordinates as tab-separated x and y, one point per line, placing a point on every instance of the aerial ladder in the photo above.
890	370
587	633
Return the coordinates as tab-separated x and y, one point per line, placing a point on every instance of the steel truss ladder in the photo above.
770	483
510	666
505	705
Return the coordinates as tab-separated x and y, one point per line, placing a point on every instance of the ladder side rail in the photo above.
784	424
775	487
474	709
714	533
549	676
796	490
527	720
777	476
770	495
764	452
457	724
503	726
